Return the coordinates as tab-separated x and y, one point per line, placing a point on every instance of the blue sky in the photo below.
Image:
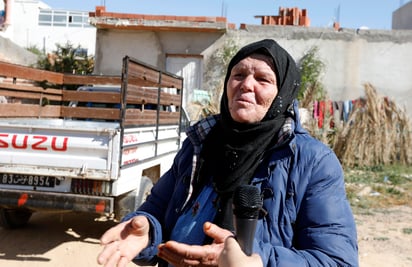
374	14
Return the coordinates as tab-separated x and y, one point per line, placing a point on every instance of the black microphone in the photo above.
247	203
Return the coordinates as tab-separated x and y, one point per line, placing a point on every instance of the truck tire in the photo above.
14	218
145	186
130	201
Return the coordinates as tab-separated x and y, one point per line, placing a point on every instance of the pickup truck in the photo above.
96	149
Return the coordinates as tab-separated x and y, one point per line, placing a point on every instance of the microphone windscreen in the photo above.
247	202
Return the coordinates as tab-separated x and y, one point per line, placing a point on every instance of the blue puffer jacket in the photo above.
308	222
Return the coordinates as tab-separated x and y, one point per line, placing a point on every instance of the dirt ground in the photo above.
70	239
385	237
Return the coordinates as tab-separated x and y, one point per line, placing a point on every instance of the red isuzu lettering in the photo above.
35	142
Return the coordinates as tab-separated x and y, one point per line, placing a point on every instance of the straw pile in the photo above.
377	133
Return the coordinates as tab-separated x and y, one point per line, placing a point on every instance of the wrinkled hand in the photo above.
183	255
123	242
233	256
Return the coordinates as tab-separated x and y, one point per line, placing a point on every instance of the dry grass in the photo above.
377	133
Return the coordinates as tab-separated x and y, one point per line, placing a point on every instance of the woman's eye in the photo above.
266	78
262	79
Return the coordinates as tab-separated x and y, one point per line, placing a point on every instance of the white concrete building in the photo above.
32	23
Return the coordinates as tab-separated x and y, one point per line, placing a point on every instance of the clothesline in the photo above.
338	111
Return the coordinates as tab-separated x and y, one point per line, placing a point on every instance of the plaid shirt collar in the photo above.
198	132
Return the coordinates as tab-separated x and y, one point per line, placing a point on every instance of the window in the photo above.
60	18
86	22
45	18
75	19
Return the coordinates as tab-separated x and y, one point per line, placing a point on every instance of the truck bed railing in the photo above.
147	96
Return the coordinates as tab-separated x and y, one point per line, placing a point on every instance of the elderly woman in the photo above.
257	140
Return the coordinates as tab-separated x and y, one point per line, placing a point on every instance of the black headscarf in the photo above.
233	150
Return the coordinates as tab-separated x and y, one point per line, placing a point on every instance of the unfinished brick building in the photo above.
287	16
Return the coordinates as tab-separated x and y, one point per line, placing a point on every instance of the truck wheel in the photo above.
14	218
132	200
145	186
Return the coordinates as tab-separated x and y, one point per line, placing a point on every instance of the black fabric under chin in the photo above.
231	157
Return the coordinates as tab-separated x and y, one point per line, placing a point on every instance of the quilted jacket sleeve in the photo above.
323	231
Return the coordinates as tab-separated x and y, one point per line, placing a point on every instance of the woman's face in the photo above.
251	88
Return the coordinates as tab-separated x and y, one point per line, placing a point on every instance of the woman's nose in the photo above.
247	83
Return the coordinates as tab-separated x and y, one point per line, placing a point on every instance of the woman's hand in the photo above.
124	241
233	256
183	255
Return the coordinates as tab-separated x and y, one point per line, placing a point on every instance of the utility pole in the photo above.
337	15
223	11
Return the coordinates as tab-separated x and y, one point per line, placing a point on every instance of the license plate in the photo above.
30	180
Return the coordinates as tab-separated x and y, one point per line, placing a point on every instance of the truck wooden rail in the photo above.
138	83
